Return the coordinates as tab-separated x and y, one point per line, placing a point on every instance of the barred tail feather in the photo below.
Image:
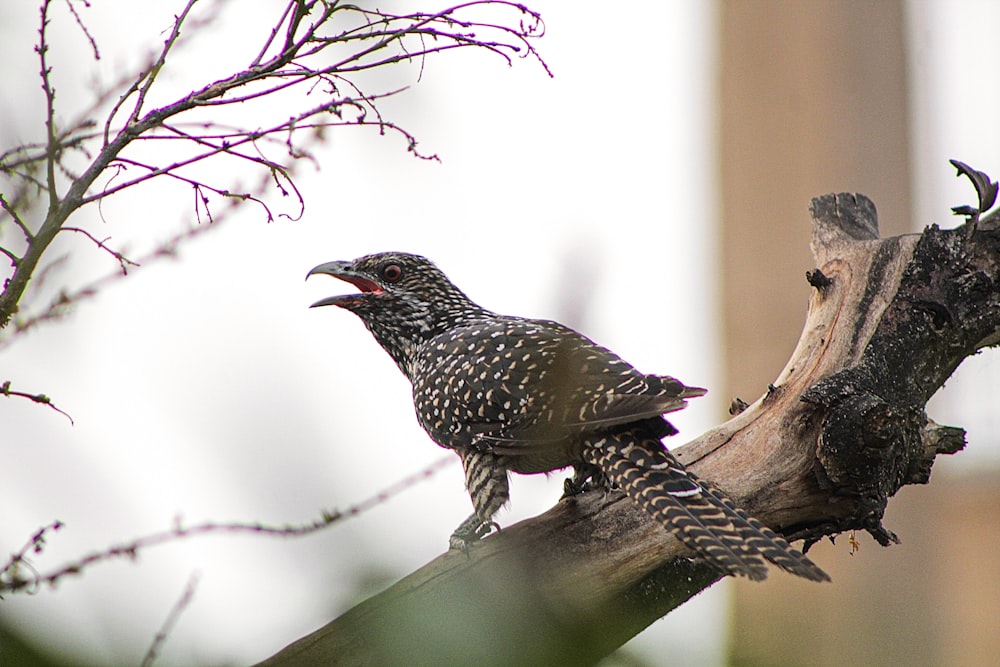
772	546
701	516
675	500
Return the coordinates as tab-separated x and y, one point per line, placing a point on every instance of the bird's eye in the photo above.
392	273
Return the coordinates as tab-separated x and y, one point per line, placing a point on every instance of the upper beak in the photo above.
342	270
334	269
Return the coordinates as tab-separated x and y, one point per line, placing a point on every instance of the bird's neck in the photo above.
403	337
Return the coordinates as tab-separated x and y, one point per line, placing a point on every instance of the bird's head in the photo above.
404	299
386	278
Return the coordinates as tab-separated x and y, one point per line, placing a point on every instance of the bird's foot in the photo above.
471	531
585	479
572	486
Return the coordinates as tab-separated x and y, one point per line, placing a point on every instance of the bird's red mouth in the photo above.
340	271
363	284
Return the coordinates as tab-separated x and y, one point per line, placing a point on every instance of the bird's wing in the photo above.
636	397
517	383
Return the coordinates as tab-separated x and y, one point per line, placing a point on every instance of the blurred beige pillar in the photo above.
813	99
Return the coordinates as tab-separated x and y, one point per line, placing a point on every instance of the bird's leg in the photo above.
486	480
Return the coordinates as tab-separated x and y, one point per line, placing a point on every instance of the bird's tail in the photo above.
701	516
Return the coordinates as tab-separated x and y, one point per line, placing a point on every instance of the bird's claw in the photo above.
573	487
585	478
469	532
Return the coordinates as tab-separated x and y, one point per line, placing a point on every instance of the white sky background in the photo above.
206	388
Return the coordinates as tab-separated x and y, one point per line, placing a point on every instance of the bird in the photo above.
513	394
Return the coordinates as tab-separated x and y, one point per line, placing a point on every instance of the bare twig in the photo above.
122	260
12	581
146	79
12	212
171	620
83	27
5	390
52	143
10	255
19	559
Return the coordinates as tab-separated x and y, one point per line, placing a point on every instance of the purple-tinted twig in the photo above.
19	559
12	582
168	625
83	27
42	399
123	261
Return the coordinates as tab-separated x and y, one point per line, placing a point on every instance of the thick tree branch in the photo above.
839	432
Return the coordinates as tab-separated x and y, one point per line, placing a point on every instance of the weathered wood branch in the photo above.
838	433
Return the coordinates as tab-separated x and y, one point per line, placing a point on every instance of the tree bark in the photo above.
841	429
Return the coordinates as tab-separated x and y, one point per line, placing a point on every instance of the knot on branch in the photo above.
937	439
869	447
818	279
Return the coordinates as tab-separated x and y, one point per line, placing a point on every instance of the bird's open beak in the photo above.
343	271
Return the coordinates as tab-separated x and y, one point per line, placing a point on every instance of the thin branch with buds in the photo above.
168	625
122	260
314	48
19	559
42	399
13	581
